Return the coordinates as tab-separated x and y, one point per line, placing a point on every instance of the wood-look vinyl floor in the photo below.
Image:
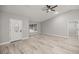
41	44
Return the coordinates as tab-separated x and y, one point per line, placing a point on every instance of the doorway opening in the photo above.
33	29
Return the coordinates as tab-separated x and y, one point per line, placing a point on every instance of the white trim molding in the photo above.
66	37
13	40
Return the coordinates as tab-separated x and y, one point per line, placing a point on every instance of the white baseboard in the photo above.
56	35
5	42
13	40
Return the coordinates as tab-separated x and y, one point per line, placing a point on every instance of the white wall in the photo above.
26	28
0	27
4	28
59	24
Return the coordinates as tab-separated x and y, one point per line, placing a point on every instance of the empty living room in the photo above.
39	29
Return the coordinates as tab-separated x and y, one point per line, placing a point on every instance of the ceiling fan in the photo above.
49	8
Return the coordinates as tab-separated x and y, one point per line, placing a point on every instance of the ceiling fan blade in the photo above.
52	10
48	6
55	6
44	8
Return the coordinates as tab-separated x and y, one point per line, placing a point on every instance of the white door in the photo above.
78	30
15	29
72	29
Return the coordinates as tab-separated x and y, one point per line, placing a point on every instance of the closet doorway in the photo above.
73	29
15	29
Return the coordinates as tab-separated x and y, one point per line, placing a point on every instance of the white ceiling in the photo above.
35	12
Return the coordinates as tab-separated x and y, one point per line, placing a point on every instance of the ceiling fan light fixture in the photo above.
50	8
56	12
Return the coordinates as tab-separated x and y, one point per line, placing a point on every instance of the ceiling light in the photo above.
49	8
